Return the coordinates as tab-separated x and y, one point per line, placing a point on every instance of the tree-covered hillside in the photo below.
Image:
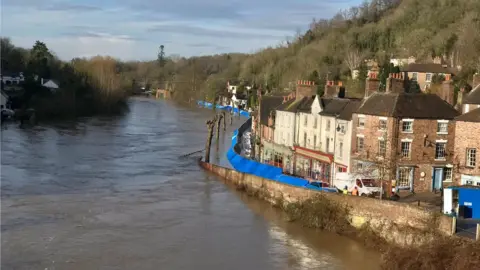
377	29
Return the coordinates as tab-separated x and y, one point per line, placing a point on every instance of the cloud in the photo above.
133	29
212	32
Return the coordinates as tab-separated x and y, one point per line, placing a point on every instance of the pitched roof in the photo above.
349	109
304	104
430	68
471	116
341	107
406	105
473	97
268	104
335	106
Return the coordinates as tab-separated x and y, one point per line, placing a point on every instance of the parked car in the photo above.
321	186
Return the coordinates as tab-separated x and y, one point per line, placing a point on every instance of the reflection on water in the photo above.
112	193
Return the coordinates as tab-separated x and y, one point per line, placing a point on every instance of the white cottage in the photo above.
337	135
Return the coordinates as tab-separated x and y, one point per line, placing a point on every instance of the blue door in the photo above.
437	178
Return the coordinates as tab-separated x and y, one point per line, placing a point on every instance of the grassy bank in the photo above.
324	214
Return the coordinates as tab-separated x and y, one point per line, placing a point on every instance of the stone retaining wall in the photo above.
398	223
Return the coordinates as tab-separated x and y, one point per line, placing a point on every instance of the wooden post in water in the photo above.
210	126
219	122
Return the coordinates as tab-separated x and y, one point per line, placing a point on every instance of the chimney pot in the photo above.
340	83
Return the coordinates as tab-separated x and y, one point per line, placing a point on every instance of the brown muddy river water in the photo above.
112	193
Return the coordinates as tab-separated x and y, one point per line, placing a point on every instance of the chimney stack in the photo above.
334	91
396	83
372	84
447	91
305	89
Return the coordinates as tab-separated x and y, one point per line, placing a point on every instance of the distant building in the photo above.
50	84
400	62
12	78
467	148
3	99
423	73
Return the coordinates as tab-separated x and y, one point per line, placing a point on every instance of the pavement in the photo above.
430	200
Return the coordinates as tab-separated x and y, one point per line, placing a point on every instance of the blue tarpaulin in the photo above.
266	171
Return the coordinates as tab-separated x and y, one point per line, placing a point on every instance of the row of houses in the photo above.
419	140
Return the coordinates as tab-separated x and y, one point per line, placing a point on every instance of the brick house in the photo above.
467	149
423	73
407	137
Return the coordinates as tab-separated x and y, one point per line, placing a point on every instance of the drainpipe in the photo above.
334	171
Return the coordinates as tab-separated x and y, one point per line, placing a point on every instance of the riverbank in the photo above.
398	230
408	237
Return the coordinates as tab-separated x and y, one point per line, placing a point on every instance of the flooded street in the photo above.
114	193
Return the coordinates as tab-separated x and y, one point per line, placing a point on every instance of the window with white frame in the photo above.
327	145
442	127
447	174
405	149
314	122
361	122
382	124
328	125
314	141
382	147
360	144
428	77
305	120
440	150
304	139
471	157
407	125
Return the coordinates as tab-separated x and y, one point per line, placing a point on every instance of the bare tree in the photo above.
353	58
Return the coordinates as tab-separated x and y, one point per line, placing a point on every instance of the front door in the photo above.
437	178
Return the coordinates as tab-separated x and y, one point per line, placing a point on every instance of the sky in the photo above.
134	29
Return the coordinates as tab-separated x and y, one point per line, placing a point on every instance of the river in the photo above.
114	193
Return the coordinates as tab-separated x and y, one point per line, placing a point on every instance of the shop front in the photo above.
277	155
314	165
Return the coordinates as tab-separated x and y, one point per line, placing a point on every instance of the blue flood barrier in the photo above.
266	171
226	108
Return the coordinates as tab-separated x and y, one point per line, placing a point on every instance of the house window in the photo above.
360	144
304	139
328	125
340	149
404	176
406	149
447	174
382	147
414	76
314	122
361	122
442	127
471	157
305	120
327	145
428	77
440	150
314	141
407	125
382	124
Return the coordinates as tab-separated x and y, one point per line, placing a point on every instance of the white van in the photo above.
366	185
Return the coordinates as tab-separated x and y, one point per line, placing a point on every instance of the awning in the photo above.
281	149
327	158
